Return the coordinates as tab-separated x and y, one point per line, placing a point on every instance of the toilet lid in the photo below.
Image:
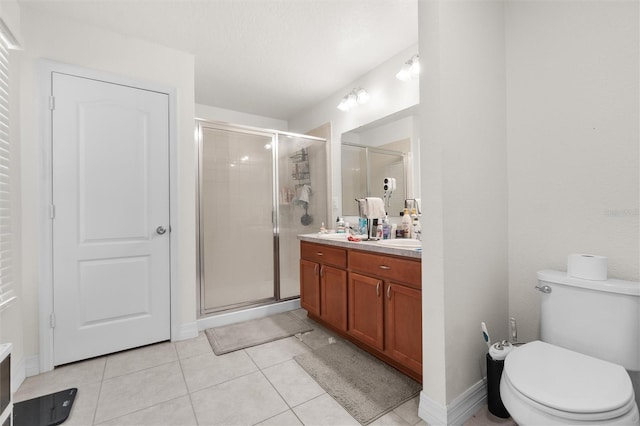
566	380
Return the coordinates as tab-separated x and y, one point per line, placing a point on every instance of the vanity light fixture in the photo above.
353	99
410	69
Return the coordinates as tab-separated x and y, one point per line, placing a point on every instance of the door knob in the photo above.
161	230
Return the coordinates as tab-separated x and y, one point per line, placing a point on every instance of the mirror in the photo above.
385	148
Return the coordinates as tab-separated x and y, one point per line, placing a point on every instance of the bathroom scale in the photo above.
46	410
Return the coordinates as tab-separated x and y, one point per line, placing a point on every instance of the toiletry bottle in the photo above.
386	229
340	225
323	230
416	229
394	230
406	224
362	225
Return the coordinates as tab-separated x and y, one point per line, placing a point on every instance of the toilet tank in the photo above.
597	318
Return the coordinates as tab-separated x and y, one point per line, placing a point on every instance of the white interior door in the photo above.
111	259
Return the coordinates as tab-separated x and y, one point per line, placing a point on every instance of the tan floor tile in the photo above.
65	377
288	418
207	370
273	353
293	383
483	417
142	389
390	419
192	347
408	411
139	359
324	411
252	397
171	413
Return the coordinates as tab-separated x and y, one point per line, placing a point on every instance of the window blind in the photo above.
7	292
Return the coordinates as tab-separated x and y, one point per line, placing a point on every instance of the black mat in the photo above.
46	410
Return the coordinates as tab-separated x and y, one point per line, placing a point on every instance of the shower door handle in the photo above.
161	230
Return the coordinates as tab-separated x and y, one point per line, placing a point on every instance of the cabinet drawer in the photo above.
321	253
392	268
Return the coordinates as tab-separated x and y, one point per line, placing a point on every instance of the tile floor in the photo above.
185	383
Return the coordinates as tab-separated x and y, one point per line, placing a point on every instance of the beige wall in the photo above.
464	187
572	97
76	44
529	117
388	95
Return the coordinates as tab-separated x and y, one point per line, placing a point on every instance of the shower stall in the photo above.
257	190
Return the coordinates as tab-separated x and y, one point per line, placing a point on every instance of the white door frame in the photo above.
45	179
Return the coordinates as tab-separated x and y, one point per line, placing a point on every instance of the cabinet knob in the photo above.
389	292
378	289
385	267
319	253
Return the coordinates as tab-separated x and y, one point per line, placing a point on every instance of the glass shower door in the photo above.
302	205
237	201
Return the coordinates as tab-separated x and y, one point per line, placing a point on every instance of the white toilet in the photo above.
576	375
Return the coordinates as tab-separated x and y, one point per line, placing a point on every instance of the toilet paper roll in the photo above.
587	266
499	351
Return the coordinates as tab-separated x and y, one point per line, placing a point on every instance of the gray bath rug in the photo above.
365	386
233	337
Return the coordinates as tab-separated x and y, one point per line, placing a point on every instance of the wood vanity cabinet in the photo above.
323	283
385	306
373	299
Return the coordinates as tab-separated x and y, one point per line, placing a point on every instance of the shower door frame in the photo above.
275	137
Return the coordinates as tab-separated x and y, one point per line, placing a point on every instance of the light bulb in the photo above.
352	100
405	72
363	96
415	66
342	106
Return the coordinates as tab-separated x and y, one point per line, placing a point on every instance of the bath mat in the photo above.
233	337
365	386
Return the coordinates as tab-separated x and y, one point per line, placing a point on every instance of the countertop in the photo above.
372	246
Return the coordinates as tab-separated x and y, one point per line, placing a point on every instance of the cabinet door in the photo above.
366	310
310	286
403	330
333	296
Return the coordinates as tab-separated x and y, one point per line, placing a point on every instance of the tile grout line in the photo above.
186	386
95	410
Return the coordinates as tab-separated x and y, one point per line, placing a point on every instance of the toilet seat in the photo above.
566	384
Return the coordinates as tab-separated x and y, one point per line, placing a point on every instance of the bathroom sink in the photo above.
401	243
334	236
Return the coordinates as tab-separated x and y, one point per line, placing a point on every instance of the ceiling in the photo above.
268	57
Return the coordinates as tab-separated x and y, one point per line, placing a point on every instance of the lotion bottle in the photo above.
406	224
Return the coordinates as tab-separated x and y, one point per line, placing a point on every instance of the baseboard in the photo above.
247	314
18	374
185	331
32	365
458	412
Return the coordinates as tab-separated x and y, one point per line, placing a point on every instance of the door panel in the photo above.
404	325
333	305
366	320
111	277
310	286
117	207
